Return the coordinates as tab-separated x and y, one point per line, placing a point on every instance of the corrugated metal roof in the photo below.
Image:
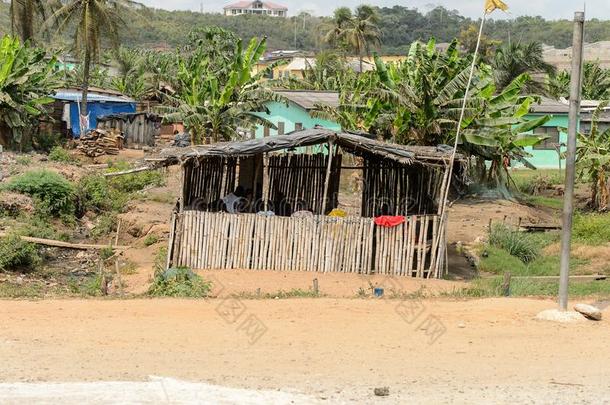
301	64
309	99
550	106
92	96
353	142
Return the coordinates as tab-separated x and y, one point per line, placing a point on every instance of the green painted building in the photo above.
296	113
546	154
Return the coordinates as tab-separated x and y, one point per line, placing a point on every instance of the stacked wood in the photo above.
100	142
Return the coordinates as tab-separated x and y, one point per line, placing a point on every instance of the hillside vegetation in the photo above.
400	26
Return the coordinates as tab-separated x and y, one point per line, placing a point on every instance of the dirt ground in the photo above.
329	350
469	218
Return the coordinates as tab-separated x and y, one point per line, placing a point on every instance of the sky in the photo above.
549	9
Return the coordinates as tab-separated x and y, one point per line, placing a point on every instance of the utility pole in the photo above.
574	117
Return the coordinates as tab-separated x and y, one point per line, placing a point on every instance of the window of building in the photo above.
265	131
551	142
281	127
234	12
298	126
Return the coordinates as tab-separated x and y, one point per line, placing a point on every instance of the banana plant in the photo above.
501	132
27	80
593	160
214	108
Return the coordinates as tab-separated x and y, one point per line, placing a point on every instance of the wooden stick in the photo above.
61	244
131	171
118	275
327	179
266	181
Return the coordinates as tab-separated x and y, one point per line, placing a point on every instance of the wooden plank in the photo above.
66	245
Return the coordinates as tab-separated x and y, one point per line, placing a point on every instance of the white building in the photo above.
256	7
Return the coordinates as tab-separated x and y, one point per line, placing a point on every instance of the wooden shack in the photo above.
300	189
139	129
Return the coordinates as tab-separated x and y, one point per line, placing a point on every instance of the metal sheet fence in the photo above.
205	240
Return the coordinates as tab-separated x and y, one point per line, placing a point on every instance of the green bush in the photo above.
59	154
23	160
130	183
44	142
592	229
151	240
534	182
95	194
179	282
17	254
516	243
54	194
106	224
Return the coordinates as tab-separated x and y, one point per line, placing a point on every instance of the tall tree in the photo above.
94	21
334	29
513	60
24	15
362	32
356	32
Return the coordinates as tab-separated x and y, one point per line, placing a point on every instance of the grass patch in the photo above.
516	243
534	181
106	224
151	240
24	160
9	289
60	155
179	282
592	229
555	203
281	294
15	254
492	287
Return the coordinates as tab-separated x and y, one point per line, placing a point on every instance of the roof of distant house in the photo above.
247	4
550	106
300	63
309	99
95	94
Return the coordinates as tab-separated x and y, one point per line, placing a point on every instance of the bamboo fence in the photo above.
205	240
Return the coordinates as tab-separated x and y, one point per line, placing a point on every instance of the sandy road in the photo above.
336	350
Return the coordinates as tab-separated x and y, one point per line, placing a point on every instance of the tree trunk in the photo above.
86	73
603	193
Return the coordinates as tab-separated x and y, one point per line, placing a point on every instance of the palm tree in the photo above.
335	28
95	20
23	17
513	60
362	32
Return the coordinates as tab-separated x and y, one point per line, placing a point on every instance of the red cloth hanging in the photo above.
389	221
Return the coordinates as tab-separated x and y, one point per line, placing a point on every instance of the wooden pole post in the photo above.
327	179
568	198
266	181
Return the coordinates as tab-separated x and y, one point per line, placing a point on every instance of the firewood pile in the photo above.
100	142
